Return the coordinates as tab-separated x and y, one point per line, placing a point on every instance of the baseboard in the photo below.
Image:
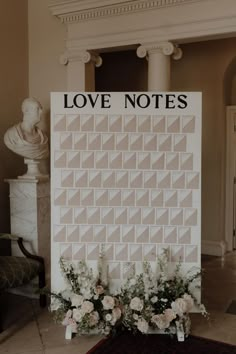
214	248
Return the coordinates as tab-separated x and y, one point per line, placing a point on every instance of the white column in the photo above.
80	69
158	55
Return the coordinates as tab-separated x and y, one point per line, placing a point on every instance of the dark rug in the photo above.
232	308
127	343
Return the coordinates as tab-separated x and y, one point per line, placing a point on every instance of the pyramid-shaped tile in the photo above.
114	197
121	216
150	180
136	253
170	234
108	142
177	253
81	179
128	197
136	179
158	124
185	198
66	216
101	123
94	141
134	216
79	252
130	123
95	179
113	233
73	122
172	161
171	198
144	160
192	180
108	250
142	234
128	233
157	198
87	122
66	141
190	217
176	216
80	215
163	179
115	160
144	124
121	252
101	159
122	142
150	142
60	159
162	216
186	161
188	124
67	178
178	180
80	141
115	123
184	235
129	160
156	234
158	160
128	270
165	142
73	233
92	252
66	251
87	197
86	233
114	270
87	159
149	253
136	142
142	197
180	142
93	216
73	197
191	254
173	124
59	233
60	197
108	179
73	159
99	233
107	216
148	216
59	122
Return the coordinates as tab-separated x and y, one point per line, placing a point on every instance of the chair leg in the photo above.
42	283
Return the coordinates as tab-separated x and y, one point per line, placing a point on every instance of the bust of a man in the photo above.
25	138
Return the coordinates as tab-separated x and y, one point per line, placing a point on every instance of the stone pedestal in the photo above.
30	216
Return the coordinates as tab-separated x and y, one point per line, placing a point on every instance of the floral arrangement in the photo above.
146	301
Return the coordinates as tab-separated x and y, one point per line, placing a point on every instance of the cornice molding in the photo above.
71	11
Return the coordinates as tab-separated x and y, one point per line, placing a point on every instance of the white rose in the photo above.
170	315
77	300
179	306
154	299
160	321
77	315
108	302
67	294
189	300
87	307
135	316
142	325
108	317
132	281
136	304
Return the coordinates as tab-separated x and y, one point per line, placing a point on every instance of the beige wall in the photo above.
13	89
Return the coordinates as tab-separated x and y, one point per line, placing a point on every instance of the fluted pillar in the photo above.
80	69
159	62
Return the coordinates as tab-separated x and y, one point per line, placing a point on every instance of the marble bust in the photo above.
26	139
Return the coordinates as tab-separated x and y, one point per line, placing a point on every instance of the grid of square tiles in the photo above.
128	182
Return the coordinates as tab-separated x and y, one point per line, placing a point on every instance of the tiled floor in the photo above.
34	332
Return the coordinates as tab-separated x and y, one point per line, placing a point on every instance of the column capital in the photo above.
166	48
85	56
